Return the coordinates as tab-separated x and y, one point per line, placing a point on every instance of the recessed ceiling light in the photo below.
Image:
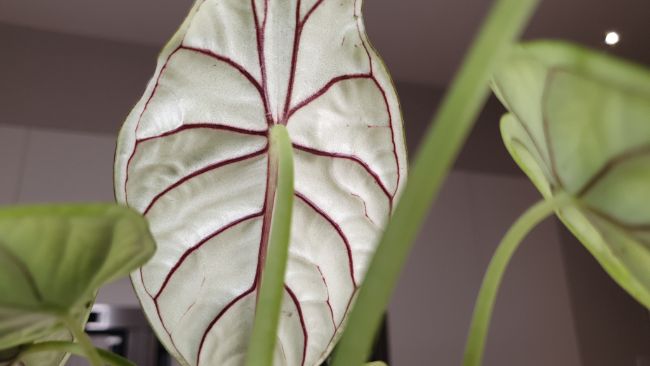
612	38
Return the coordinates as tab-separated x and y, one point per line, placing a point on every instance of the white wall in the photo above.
431	310
40	165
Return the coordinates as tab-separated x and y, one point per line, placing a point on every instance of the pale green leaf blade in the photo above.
595	116
624	258
55	257
523	150
593	123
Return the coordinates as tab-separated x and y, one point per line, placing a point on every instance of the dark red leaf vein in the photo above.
198	245
347	309
137	125
392	133
209	53
177	266
363	43
229	62
311	11
294	60
302	321
209	126
383	93
259	35
336	227
352	158
322	91
299	26
216	319
266	212
329	305
201	171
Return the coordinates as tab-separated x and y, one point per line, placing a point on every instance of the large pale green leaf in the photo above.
53	258
193	157
579	123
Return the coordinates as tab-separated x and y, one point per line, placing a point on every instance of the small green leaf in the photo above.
579	123
53	258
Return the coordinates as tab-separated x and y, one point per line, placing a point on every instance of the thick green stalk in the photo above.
83	340
442	143
108	358
269	302
492	280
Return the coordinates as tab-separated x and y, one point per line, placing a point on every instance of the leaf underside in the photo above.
53	258
193	157
579	123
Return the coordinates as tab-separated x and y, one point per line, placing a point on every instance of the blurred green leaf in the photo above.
579	123
53	258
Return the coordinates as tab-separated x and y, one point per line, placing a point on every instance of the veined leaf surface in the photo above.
192	156
579	123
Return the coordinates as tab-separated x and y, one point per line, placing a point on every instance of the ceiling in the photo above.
422	40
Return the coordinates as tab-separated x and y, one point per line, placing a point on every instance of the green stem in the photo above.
83	340
269	301
442	143
74	348
494	274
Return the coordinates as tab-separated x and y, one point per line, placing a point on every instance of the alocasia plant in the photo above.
206	155
53	258
193	158
579	127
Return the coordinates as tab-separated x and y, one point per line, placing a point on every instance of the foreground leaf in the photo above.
192	156
52	261
269	300
39	352
580	124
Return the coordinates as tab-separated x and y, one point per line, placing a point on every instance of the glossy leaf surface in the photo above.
579	123
192	156
52	261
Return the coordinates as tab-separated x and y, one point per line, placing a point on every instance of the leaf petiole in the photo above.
83	340
107	357
491	281
267	314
